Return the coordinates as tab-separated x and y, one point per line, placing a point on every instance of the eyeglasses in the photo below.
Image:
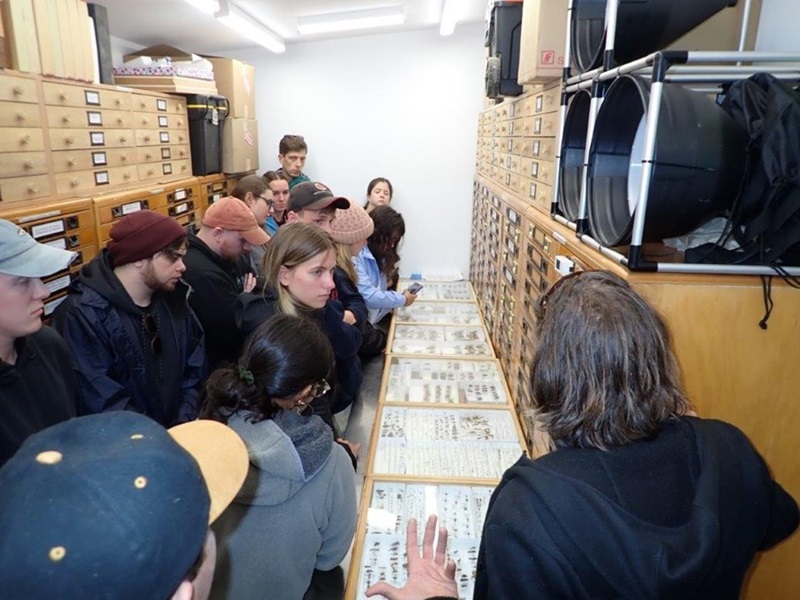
317	390
269	201
151	327
540	306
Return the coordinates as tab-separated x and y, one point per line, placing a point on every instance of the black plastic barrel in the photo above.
643	26
698	162
573	150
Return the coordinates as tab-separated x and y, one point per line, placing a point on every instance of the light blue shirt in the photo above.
372	286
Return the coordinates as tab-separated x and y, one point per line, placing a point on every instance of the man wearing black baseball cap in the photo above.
314	203
114	506
37	385
136	342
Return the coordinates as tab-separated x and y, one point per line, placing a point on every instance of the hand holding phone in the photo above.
414	288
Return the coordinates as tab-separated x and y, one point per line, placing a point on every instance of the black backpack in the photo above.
765	216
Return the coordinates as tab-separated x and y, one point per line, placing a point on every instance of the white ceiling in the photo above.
174	22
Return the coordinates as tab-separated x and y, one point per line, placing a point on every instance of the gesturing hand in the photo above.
431	574
249	282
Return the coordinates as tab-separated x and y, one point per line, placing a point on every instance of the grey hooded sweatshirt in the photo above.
296	511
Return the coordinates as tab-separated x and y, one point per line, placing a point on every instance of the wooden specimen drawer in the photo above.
148	154
66	161
14	189
542	148
155	103
21	139
160	170
59	117
112	207
538	194
46	220
547	101
156	137
88	181
150	120
19	114
545	124
62	94
71	139
21	164
540	170
18	89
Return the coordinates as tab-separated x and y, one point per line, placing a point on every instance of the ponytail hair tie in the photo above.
245	375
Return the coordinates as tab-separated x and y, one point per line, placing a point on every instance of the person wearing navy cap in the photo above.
37	385
114	506
136	343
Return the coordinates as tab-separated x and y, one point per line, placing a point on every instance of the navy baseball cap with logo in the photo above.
313	195
113	505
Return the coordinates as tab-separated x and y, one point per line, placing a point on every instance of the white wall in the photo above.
402	106
777	26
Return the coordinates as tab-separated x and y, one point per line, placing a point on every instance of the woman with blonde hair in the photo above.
298	280
350	230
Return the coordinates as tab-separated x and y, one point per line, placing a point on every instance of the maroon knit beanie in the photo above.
140	235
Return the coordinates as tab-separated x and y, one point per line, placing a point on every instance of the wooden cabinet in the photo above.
732	369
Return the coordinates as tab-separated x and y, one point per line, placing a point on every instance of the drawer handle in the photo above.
28	165
22	116
126	176
18	90
148	155
62	97
24	140
33	188
69	140
143	104
118	102
124	158
65	120
123	139
71	162
120	121
145	121
147	138
74	182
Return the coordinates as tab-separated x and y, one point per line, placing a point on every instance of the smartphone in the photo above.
414	287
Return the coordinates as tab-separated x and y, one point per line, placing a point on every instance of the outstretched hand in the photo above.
429	575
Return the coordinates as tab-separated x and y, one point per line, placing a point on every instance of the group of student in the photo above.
172	325
253	366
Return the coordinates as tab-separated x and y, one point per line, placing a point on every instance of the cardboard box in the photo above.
235	81
239	145
543	40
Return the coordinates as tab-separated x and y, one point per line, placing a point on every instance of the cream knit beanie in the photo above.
351	225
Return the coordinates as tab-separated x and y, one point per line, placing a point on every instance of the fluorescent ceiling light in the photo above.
449	17
245	25
207	6
351	20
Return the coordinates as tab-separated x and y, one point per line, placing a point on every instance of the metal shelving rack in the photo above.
663	67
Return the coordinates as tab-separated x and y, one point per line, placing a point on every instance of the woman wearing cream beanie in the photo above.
350	229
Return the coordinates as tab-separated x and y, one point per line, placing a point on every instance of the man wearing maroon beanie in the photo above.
135	341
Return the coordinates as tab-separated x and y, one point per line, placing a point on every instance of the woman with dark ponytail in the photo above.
293	520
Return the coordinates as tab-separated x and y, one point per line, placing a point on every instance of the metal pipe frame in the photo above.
661	67
582	221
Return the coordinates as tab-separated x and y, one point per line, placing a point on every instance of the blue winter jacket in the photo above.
104	332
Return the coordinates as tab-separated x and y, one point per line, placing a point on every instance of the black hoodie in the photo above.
216	285
679	516
118	363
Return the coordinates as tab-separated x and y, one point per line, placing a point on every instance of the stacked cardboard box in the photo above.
235	81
